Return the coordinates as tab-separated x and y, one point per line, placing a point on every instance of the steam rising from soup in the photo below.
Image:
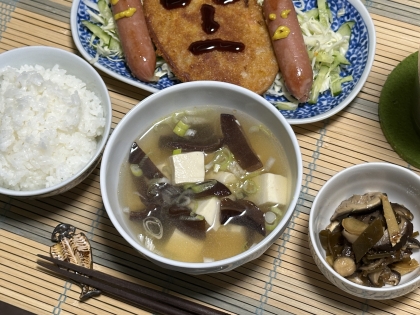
204	184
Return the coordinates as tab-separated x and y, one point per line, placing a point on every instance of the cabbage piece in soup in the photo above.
204	184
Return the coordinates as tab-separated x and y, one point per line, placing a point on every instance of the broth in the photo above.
201	231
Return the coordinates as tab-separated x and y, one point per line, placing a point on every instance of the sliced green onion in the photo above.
249	187
272	218
270	226
199	217
176	151
181	128
136	170
223	158
198	188
277	211
153	226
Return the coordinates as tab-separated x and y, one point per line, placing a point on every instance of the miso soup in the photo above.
204	184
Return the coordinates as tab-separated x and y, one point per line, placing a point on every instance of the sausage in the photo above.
134	37
289	47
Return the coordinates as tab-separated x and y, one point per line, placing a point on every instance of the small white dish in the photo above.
400	184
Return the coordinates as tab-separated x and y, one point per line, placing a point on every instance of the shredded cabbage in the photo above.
103	26
326	48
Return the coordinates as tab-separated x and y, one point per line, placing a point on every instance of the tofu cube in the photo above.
187	167
183	247
223	177
271	189
209	208
228	241
134	203
164	169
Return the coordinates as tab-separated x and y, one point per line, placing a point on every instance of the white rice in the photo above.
49	124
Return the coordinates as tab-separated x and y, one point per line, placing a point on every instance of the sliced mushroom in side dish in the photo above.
357	204
402	211
359	278
384	276
413	243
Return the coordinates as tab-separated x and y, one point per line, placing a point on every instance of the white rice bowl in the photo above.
49	126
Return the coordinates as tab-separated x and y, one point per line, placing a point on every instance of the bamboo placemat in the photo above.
284	280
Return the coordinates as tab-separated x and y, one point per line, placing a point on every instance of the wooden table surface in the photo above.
285	280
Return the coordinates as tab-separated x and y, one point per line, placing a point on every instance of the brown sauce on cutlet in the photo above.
224	2
205	46
209	25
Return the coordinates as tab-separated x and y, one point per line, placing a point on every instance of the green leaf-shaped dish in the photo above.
398	97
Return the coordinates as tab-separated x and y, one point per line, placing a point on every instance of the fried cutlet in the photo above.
173	31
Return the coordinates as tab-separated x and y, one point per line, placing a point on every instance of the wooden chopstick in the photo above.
149	298
9	309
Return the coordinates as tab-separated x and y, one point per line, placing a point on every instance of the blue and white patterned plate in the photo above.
361	53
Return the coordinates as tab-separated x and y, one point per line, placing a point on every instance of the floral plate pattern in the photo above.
360	54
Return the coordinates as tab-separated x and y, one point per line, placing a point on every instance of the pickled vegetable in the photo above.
370	240
391	221
369	237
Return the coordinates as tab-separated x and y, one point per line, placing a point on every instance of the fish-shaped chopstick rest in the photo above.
73	248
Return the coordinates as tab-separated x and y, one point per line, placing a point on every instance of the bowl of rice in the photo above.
55	118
